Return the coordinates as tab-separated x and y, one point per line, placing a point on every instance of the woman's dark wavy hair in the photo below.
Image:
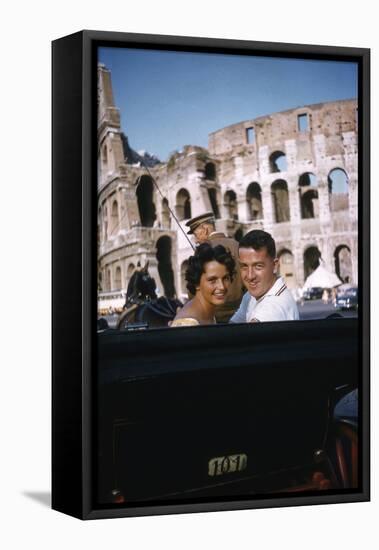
206	253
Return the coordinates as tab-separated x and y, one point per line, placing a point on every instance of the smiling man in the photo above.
268	298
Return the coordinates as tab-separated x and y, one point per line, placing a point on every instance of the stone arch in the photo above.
287	267
183	204
278	162
146	206
166	273
307	179
114	217
210	171
108	279
309	204
338	185
129	272
100	226
254	201
343	264
280	198
118	278
231	206
338	181
308	195
311	258
166	217
105	223
183	282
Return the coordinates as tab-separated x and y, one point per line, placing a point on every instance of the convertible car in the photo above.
201	414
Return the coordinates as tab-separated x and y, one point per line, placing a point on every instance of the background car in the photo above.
313	293
348	299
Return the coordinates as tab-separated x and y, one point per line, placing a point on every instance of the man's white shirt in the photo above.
276	305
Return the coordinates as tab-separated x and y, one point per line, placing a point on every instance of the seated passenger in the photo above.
209	275
267	297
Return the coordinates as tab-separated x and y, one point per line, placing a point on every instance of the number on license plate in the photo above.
227	464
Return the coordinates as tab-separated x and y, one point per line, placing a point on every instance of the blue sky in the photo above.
171	99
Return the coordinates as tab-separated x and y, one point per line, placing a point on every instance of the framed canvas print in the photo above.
210	274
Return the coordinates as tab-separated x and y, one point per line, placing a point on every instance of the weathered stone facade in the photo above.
293	174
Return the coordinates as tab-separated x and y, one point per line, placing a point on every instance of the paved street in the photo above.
316	309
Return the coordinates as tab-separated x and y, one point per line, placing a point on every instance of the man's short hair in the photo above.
259	239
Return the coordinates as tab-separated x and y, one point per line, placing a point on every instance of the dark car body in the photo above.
246	411
347	299
313	293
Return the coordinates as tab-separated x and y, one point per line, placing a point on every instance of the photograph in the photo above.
195	222
236	151
227	208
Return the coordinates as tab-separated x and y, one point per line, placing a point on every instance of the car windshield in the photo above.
351	293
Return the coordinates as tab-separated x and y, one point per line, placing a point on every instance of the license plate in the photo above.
222	465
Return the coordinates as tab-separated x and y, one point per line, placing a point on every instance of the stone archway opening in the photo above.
307	180
114	218
343	264
105	223
279	191
129	272
146	206
338	185
166	273
230	203
183	205
254	201
312	257
278	162
308	195
108	280
309	204
117	278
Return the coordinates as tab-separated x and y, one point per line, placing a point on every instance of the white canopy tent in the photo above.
321	278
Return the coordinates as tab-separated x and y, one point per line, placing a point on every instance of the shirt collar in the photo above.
276	287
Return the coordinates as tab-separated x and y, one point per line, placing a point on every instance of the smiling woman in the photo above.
209	274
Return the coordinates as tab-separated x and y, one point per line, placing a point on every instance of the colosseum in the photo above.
292	173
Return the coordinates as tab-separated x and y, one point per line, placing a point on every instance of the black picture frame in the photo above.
75	397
